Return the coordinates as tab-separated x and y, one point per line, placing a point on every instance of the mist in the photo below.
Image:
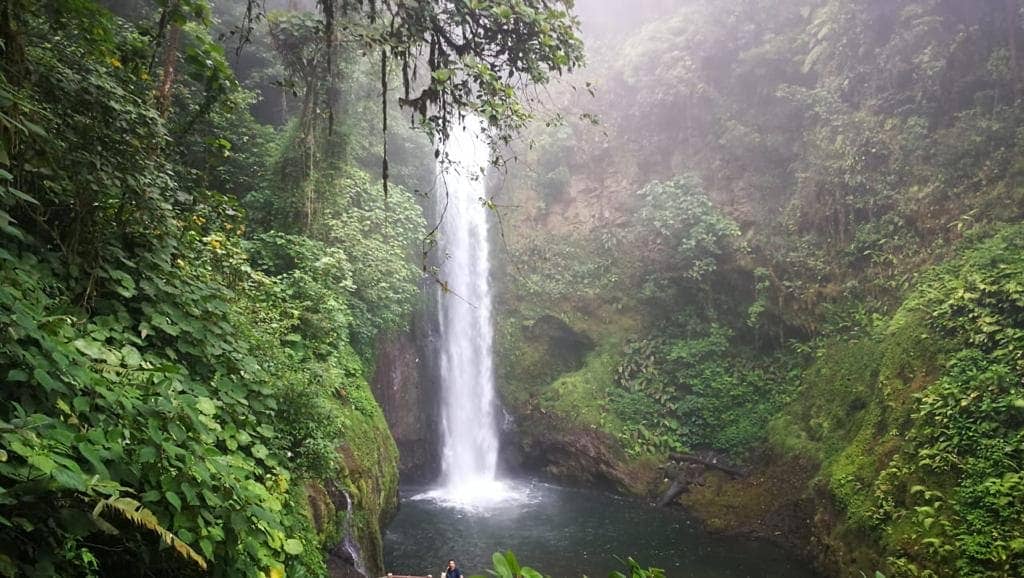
349	289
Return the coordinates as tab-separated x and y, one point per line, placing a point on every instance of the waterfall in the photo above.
469	425
349	545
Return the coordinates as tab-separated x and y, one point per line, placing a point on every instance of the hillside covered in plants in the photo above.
783	236
761	259
203	232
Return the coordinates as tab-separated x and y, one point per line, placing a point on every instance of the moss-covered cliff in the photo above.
891	445
354	508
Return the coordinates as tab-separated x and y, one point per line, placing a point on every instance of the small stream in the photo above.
568	533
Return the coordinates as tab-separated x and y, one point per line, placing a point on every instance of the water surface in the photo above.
567	533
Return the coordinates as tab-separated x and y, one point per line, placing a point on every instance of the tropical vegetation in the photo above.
199	246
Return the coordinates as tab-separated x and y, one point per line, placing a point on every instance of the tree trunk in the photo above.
677	488
170	65
692	459
14	53
1012	25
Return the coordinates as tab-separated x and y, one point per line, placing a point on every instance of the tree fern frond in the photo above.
139	515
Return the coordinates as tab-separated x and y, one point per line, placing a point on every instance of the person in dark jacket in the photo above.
452	571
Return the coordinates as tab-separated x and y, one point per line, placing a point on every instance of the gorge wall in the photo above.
405	383
764	252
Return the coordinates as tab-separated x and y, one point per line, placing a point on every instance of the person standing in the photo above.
452	571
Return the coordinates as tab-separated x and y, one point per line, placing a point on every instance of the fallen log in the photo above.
682	481
692	459
677	488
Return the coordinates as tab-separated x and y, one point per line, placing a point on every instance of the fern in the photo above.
139	515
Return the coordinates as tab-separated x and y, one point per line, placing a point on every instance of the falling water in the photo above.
469	428
349	544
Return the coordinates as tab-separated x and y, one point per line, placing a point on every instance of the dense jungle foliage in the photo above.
793	238
199	246
785	234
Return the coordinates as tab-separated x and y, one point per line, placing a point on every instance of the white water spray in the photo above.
469	425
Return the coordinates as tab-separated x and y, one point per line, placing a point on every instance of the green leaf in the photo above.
81	404
46	381
501	566
97	350
148	454
293	546
528	572
191	497
174	500
125	285
32	127
23	196
69	479
212	499
513	564
42	463
5	226
92	348
90	454
206	546
206	406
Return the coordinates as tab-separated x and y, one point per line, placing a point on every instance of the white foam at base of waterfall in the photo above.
479	495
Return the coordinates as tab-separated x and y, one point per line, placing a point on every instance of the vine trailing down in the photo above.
469	428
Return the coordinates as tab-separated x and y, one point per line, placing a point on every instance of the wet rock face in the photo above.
589	457
342	561
564	348
326	501
405	385
770	503
339	567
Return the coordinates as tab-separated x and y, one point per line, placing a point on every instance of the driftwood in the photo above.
677	488
692	459
681	481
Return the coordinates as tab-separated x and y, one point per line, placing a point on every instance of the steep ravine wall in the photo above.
349	512
406	382
566	431
883	451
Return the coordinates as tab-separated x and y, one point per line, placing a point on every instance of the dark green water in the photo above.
567	533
